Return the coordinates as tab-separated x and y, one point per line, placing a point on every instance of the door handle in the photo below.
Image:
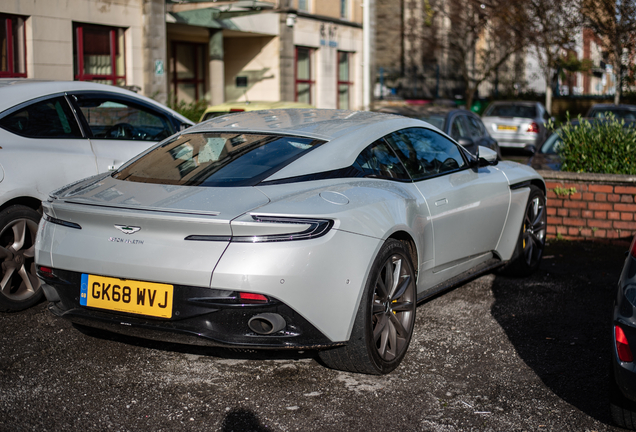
441	202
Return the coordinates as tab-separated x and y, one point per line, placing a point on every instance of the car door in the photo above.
120	127
43	148
468	204
478	132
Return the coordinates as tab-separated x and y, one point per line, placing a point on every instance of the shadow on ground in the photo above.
559	320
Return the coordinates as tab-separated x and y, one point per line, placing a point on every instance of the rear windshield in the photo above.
522	111
437	121
216	159
618	113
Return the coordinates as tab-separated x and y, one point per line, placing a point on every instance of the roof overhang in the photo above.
205	13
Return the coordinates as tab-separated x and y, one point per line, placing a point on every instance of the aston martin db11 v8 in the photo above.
287	229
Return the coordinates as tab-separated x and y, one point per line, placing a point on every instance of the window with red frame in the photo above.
188	71
304	75
12	47
98	54
344	83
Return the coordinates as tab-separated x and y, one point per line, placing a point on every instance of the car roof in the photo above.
347	133
523	103
609	105
256	105
15	91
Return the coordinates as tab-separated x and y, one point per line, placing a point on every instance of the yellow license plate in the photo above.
125	295
506	127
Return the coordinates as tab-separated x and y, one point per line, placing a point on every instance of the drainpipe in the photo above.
366	55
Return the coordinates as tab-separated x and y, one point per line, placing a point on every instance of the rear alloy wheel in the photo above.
384	323
19	285
531	240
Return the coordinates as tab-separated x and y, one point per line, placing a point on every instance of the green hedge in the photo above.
606	147
191	110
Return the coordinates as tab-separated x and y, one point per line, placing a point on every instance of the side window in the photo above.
426	153
379	160
118	118
51	118
458	128
476	131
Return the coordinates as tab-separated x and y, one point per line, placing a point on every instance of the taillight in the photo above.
533	127
622	346
46	270
245	297
236	110
632	249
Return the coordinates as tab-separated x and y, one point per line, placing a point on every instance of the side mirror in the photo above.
486	156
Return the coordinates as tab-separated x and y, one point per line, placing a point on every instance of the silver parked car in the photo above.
288	229
54	133
516	124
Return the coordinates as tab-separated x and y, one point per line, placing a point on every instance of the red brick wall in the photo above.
590	206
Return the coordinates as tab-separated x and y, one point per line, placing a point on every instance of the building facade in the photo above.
218	51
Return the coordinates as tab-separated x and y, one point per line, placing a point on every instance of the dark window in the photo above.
378	160
98	54
436	120
51	118
12	47
304	75
119	118
344	82
344	9
618	113
216	159
458	128
475	128
522	111
188	71
426	153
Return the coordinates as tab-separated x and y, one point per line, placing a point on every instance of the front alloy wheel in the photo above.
19	285
534	229
531	240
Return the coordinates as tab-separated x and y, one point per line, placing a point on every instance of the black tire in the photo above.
623	410
531	242
19	285
384	322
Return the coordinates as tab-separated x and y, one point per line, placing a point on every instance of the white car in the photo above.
52	134
517	124
288	229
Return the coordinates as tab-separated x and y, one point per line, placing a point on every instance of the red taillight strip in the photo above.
251	297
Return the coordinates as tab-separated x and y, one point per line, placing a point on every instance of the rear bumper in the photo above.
195	321
625	373
515	142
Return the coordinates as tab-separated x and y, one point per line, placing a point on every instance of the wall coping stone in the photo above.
588	177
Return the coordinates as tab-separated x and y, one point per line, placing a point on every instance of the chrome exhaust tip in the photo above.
266	323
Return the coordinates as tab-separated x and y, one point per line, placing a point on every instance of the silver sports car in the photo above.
287	229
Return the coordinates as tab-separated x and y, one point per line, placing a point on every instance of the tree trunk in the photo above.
617	91
548	98
469	96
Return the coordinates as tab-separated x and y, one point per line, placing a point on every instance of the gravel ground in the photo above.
496	354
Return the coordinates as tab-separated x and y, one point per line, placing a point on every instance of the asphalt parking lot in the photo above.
496	354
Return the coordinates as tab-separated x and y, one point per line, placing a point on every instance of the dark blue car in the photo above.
623	382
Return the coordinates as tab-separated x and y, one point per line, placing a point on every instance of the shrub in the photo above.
191	110
607	146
